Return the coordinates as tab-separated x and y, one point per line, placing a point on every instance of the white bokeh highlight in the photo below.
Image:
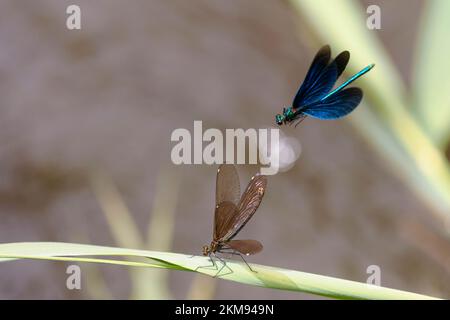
290	150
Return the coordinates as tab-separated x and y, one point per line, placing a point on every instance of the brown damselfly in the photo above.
232	212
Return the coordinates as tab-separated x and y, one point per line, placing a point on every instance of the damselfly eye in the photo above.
279	119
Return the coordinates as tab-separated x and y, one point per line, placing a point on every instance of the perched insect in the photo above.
315	98
232	212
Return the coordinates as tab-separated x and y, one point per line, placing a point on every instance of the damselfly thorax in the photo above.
289	116
212	248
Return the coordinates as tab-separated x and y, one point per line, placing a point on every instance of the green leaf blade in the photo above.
265	276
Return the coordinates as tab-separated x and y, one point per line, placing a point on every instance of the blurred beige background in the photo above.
107	97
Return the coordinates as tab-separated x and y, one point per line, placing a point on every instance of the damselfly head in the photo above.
279	119
205	250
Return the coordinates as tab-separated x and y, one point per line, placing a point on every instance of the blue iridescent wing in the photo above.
342	61
321	77
318	65
322	85
335	106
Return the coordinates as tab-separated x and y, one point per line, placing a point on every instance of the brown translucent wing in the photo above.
224	216
227	184
248	204
246	247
